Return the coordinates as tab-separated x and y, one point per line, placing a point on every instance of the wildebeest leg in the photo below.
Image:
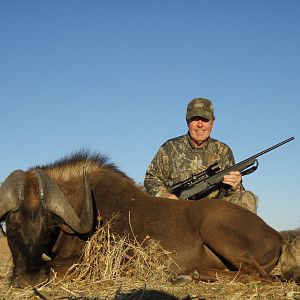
247	266
206	264
227	262
72	249
212	275
237	276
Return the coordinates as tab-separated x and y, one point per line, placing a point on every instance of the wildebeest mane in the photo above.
73	164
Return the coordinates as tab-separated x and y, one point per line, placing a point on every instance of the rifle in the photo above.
208	180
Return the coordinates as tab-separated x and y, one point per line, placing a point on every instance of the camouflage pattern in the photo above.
178	158
245	199
200	107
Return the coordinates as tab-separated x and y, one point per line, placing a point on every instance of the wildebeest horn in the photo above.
57	202
12	192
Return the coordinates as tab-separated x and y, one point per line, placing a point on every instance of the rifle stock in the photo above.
206	183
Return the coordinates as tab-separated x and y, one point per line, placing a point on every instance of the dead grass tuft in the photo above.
108	256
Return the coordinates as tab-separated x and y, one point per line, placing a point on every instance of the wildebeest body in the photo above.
206	236
193	230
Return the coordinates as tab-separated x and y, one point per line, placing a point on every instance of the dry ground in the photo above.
138	288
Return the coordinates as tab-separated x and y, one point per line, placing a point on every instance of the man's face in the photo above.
200	129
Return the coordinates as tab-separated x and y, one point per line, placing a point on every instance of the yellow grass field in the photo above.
90	283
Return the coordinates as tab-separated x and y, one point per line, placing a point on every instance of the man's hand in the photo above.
168	195
233	179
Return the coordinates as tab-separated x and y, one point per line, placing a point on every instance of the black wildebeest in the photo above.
52	209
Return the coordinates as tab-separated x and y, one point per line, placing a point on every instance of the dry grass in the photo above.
108	257
114	268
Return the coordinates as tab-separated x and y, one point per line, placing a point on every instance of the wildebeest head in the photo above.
35	209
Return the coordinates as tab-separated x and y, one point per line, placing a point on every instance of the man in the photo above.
180	157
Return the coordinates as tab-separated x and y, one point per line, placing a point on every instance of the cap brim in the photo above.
201	114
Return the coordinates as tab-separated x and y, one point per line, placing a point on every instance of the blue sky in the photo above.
116	76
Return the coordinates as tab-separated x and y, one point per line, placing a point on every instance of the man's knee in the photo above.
245	199
250	201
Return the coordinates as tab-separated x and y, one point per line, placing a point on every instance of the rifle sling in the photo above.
250	170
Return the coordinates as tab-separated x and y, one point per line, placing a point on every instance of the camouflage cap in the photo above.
200	107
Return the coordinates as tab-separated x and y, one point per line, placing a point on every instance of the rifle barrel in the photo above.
275	146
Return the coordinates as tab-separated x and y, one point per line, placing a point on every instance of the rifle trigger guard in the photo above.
250	170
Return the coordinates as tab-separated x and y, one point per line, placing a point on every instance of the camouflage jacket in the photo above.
178	158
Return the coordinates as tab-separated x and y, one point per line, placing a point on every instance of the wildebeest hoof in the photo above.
182	280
